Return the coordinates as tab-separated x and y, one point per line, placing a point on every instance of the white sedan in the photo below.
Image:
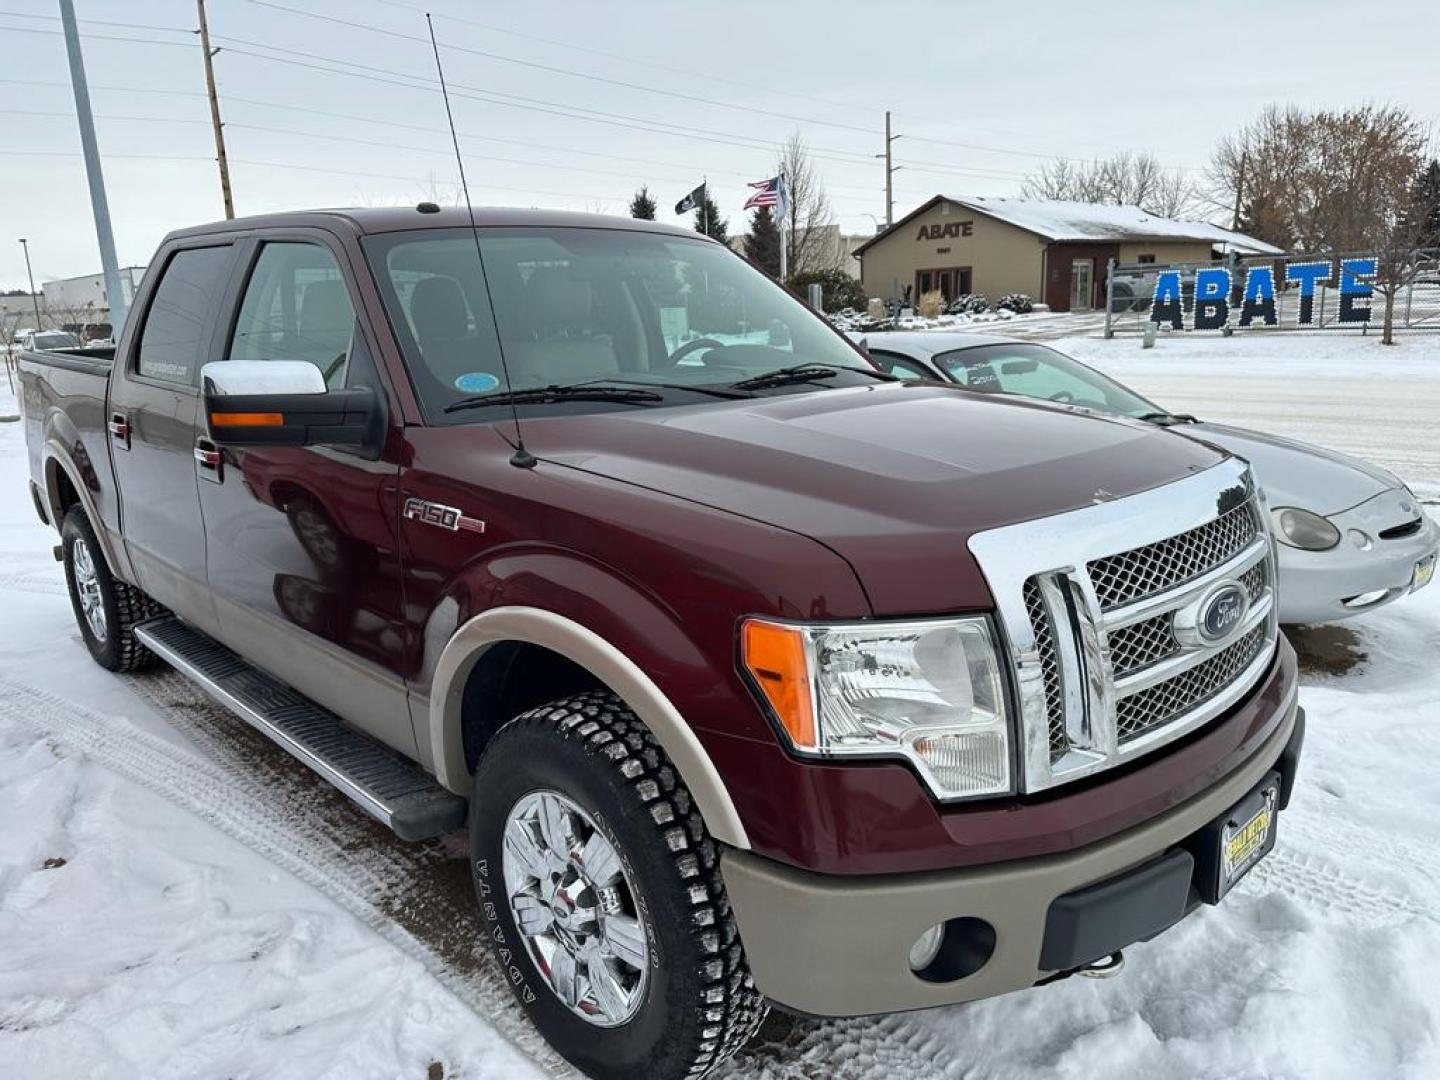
1352	536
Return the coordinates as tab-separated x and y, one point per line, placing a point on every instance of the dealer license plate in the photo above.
1248	835
1424	572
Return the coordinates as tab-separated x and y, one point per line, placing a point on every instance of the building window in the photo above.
1145	258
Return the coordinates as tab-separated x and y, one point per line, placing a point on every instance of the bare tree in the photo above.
1321	182
808	212
1400	245
1123	179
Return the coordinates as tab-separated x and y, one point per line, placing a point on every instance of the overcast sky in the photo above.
982	93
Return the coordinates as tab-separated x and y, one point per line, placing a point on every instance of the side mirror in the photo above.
282	403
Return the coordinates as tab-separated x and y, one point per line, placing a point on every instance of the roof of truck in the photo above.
381	219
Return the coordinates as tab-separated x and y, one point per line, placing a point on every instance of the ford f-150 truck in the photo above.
757	676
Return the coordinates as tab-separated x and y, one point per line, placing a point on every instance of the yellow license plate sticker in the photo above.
1247	840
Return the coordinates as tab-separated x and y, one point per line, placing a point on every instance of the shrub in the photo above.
931	304
838	288
969	304
1017	302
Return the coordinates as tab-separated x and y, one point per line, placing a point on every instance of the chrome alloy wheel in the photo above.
573	904
87	588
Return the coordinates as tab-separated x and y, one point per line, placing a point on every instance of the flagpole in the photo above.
782	204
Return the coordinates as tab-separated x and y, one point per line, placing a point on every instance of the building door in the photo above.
1082	277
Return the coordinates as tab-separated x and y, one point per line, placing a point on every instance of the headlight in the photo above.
929	691
1302	529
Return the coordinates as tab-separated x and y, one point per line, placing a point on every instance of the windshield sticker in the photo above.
476	382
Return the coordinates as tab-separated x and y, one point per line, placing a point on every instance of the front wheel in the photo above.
601	894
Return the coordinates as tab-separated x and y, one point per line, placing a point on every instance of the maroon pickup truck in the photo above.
758	676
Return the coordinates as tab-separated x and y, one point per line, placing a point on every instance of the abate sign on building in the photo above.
1216	304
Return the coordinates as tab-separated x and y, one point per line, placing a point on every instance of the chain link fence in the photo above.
1130	294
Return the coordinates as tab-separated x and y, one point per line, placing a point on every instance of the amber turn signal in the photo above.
247	419
774	655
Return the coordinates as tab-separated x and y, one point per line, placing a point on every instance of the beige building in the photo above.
1054	252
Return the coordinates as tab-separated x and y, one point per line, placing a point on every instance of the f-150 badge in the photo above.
447	517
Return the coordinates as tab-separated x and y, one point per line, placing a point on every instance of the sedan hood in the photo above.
1294	473
895	477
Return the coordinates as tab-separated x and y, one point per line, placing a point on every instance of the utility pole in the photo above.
114	295
34	298
215	112
890	170
1239	192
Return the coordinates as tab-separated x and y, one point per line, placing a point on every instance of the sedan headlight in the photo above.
1302	529
930	691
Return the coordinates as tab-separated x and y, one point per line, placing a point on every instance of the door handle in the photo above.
119	427
208	459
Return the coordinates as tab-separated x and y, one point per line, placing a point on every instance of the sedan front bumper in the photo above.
1365	570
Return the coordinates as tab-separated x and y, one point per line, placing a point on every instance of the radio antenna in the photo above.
522	458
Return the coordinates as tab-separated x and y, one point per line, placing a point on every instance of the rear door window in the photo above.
176	334
296	307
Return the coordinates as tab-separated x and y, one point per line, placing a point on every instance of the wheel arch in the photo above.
611	669
64	488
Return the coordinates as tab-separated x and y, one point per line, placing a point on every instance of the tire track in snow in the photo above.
416	896
42	582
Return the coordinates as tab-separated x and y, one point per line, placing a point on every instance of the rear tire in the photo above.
682	1000
107	610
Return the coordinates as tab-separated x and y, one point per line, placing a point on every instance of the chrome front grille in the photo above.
1133	622
1141	644
1049	666
1158	705
1133	575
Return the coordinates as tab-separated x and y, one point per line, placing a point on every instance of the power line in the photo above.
98	22
553	70
685	72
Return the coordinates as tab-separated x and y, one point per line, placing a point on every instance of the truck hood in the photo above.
894	478
1294	473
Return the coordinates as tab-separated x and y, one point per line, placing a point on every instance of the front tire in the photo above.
107	610
601	894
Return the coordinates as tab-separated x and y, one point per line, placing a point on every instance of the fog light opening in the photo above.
1367	598
954	949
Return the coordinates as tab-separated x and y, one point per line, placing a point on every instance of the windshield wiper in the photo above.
1167	419
809	372
544	395
713	391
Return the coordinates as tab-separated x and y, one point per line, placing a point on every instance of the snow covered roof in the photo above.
1077	221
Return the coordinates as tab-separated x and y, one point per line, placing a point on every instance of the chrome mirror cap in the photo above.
235	378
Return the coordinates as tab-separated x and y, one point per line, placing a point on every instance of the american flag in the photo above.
768	193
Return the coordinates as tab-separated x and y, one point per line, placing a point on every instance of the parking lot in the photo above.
280	933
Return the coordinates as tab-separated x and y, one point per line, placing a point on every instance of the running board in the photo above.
390	788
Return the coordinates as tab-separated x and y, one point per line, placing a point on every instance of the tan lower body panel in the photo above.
834	946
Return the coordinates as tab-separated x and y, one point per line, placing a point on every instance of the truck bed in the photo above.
63	397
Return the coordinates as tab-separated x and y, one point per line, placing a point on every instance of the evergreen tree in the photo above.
762	246
642	206
1425	204
709	221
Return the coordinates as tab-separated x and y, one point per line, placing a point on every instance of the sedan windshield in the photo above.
1035	371
566	306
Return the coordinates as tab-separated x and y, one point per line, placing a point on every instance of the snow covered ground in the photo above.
178	899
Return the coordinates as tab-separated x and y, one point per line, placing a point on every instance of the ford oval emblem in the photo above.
1222	611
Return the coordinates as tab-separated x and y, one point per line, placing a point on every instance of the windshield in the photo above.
55	339
583	305
1035	371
